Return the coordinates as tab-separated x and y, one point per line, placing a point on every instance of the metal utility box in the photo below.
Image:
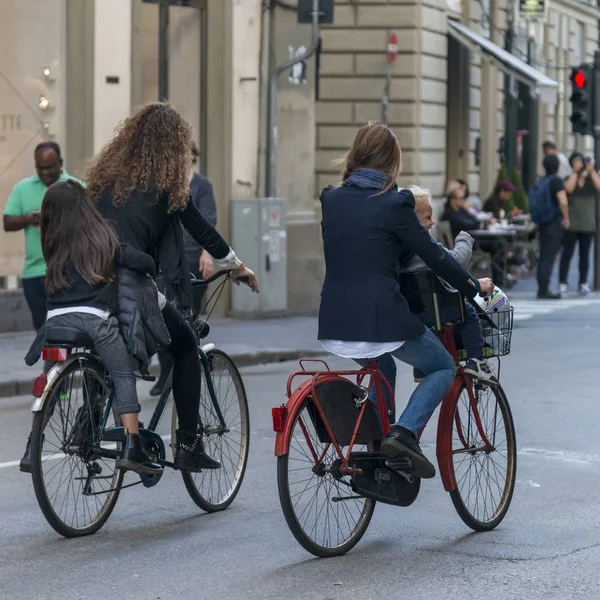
259	238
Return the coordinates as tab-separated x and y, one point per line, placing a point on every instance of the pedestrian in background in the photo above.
564	168
581	186
200	262
550	210
23	212
501	194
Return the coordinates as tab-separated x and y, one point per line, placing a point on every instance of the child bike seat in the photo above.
67	336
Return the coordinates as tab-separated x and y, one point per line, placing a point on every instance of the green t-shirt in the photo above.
26	197
582	207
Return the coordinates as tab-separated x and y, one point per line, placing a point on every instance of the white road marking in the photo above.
527	309
15	463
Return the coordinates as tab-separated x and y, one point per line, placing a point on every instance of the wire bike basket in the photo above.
497	331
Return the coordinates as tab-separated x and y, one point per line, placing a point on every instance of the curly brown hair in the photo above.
152	149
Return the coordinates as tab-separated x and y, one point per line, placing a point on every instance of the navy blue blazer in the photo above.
364	235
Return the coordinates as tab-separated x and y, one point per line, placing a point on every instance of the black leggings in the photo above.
186	368
585	243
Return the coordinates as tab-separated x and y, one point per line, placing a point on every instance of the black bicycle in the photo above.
77	436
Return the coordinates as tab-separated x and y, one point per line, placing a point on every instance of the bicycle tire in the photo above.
463	503
293	519
57	396
206	488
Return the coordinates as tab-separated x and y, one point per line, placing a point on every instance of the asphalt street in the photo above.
159	545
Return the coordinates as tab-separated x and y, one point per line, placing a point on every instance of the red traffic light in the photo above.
579	79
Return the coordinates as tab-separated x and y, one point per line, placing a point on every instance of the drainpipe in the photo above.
265	45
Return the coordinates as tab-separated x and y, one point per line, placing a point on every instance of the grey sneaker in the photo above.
480	369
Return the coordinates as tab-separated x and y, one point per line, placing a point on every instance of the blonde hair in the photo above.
375	147
419	192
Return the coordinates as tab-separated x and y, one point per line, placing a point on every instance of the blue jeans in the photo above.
427	354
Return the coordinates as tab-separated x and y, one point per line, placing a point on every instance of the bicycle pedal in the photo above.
399	464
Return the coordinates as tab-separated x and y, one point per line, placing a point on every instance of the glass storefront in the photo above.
31	100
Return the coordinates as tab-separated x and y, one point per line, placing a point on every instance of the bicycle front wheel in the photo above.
321	509
215	489
74	476
485	475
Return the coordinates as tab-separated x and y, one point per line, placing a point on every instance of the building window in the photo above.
578	55
485	17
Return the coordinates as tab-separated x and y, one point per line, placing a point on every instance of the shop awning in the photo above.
545	87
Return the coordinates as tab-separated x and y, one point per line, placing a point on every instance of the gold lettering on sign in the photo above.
10	123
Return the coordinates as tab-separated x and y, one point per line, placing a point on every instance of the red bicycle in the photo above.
330	473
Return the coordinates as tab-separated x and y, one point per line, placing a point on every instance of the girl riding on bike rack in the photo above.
82	251
368	225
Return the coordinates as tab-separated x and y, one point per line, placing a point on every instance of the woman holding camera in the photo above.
581	186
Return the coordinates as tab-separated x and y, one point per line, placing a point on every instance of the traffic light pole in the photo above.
596	121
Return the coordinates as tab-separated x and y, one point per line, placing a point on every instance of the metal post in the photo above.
163	51
596	122
530	157
510	102
271	188
265	47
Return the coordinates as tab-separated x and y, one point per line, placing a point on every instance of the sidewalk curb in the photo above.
23	386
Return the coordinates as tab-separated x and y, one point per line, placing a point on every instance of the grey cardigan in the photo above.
462	252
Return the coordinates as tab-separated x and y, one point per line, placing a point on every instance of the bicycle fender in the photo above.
54	373
444	435
282	438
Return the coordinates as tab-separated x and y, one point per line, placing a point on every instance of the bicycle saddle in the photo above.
66	336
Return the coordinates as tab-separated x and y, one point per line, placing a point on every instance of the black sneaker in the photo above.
190	454
480	369
402	442
548	296
25	464
136	459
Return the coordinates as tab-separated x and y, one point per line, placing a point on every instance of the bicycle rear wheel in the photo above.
75	485
485	478
214	490
318	502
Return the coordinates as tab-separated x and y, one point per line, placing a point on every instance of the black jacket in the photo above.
140	319
144	223
364	236
203	197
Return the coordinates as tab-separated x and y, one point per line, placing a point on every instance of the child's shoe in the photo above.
480	369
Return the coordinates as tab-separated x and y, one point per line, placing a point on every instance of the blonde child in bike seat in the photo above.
470	330
81	251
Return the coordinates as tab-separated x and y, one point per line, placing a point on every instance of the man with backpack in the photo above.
550	211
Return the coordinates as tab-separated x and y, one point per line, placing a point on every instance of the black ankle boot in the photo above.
25	464
136	459
190	454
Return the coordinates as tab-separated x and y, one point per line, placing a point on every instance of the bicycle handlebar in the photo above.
223	273
198	282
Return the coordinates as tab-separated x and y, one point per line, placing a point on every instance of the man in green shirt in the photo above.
23	212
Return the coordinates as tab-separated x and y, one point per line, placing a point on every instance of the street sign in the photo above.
532	9
392	50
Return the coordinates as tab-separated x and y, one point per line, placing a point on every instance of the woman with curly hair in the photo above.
140	181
